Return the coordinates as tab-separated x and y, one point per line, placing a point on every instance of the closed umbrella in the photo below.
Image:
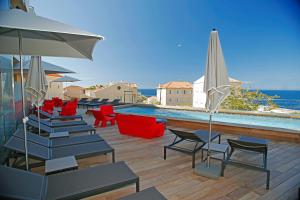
23	33
36	84
216	84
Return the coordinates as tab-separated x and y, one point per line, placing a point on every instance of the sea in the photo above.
289	99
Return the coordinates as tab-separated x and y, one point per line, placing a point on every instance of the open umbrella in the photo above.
36	84
216	86
65	79
23	33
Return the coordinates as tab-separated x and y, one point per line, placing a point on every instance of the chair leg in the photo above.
96	123
103	123
113	156
138	185
268	180
193	161
165	153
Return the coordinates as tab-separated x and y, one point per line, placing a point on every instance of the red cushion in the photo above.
140	126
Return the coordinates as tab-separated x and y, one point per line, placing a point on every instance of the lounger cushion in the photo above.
90	181
81	150
44	153
20	184
57	142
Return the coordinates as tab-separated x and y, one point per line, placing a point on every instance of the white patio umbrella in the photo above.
23	33
216	82
36	85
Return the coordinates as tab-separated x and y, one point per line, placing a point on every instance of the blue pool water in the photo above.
260	121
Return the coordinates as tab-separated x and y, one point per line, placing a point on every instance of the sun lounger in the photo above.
77	184
199	137
82	101
97	104
70	129
58	117
57	142
55	124
43	153
148	194
94	100
115	102
249	144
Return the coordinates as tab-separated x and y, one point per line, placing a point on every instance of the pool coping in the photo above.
215	122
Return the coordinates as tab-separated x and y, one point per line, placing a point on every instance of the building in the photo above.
73	91
175	93
55	89
199	96
127	92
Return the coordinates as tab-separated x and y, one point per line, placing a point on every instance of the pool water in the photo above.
252	120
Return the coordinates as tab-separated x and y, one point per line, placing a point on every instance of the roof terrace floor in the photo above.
175	179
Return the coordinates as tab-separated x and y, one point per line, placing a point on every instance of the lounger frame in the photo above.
260	148
181	136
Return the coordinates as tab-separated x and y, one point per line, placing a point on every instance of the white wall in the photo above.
199	96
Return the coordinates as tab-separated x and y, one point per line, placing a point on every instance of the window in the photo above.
177	91
170	92
183	91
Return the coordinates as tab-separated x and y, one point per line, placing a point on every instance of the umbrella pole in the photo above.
209	139
23	100
38	107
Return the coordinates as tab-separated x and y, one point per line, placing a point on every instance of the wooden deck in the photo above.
175	179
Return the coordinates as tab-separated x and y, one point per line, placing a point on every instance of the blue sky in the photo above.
155	41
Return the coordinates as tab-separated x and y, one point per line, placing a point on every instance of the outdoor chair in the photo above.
71	129
55	124
77	184
42	153
199	137
249	144
57	141
57	117
99	116
69	109
57	102
48	106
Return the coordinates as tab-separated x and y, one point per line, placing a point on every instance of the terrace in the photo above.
175	178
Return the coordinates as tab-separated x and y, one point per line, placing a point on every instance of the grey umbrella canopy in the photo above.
36	84
216	81
23	33
217	88
66	79
49	68
42	36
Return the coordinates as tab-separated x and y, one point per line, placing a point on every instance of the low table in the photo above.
218	148
60	164
148	194
59	134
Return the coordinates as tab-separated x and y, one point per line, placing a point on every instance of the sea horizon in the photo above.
288	99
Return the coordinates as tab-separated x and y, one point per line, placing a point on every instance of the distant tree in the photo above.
245	99
141	99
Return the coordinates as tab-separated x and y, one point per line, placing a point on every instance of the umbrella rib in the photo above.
8	31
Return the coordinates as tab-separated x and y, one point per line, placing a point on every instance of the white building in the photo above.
199	96
175	94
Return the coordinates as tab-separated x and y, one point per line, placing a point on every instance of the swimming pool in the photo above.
289	124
